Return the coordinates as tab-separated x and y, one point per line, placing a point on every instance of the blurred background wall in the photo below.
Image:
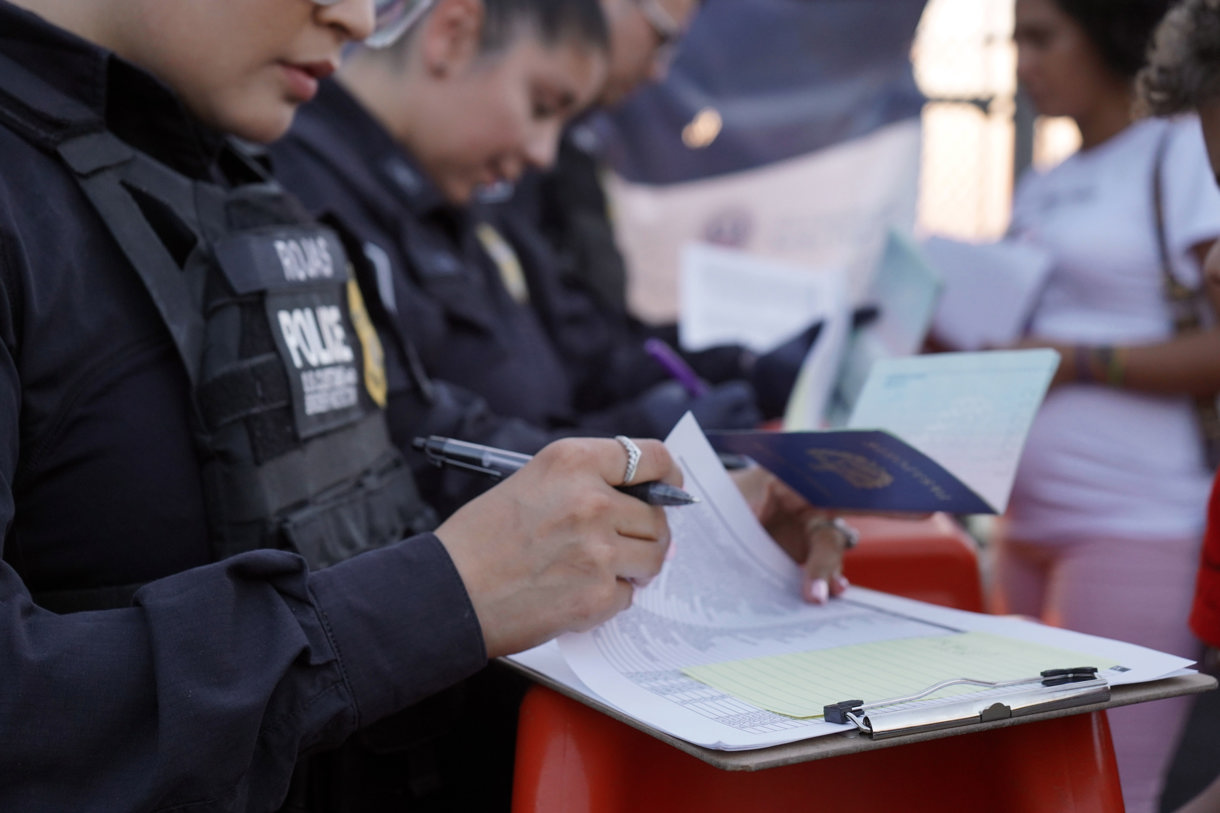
802	130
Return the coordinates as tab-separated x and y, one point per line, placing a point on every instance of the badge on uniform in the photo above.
506	260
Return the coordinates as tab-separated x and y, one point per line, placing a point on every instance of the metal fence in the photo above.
978	134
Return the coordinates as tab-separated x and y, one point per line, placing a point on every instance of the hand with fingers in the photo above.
555	548
811	536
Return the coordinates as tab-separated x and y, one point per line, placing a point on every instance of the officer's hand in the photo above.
554	548
774	373
731	405
806	533
725	406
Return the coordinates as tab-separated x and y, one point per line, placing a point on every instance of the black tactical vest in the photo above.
268	321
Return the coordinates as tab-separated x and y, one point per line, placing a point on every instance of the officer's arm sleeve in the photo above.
208	689
203	693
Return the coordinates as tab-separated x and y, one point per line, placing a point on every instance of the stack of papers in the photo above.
720	650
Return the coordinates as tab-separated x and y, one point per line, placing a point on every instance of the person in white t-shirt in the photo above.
1107	513
1183	75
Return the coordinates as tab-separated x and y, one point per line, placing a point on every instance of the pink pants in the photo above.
1136	591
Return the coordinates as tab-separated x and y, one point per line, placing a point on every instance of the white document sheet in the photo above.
970	412
727	593
815	383
990	290
730	296
905	290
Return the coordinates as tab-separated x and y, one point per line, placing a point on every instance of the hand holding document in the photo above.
720	641
940	432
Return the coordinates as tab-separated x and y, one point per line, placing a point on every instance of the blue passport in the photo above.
856	469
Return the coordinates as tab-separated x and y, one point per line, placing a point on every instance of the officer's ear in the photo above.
450	38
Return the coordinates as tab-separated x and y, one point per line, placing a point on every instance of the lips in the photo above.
303	77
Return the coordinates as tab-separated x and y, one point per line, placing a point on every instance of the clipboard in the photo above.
1052	690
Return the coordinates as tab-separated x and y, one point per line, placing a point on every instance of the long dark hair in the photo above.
1121	29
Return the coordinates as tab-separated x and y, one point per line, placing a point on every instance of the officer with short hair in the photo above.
405	144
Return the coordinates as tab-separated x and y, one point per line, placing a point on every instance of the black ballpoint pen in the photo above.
500	463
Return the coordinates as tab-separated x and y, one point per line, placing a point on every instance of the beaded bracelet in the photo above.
1110	360
1106	358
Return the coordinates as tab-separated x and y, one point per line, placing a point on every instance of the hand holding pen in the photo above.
500	463
554	547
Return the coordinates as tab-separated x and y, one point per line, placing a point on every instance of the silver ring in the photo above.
633	457
849	535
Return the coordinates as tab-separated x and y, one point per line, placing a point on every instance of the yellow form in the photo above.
799	684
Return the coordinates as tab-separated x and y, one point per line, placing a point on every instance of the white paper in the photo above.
905	290
970	412
815	382
824	209
728	592
990	290
730	296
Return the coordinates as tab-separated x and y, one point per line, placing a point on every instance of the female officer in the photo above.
404	145
186	372
399	149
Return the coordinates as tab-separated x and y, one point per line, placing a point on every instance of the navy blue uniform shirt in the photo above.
567	207
205	692
441	282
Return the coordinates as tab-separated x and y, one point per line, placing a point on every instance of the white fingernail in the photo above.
819	591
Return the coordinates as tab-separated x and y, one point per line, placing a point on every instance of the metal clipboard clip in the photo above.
1053	689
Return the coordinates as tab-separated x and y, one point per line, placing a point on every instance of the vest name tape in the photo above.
282	259
305	258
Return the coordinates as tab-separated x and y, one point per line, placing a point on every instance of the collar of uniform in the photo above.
136	106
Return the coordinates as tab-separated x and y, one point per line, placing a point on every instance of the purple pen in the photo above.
676	366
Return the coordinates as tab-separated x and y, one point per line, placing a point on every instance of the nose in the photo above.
354	19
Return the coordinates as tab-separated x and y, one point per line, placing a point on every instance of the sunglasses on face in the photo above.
393	18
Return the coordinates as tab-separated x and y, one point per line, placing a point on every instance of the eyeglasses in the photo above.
393	18
668	31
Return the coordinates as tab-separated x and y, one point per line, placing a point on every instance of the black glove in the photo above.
724	362
725	406
774	372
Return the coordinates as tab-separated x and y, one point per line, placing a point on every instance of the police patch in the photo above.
317	347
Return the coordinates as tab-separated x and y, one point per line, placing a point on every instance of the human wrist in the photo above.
1101	364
